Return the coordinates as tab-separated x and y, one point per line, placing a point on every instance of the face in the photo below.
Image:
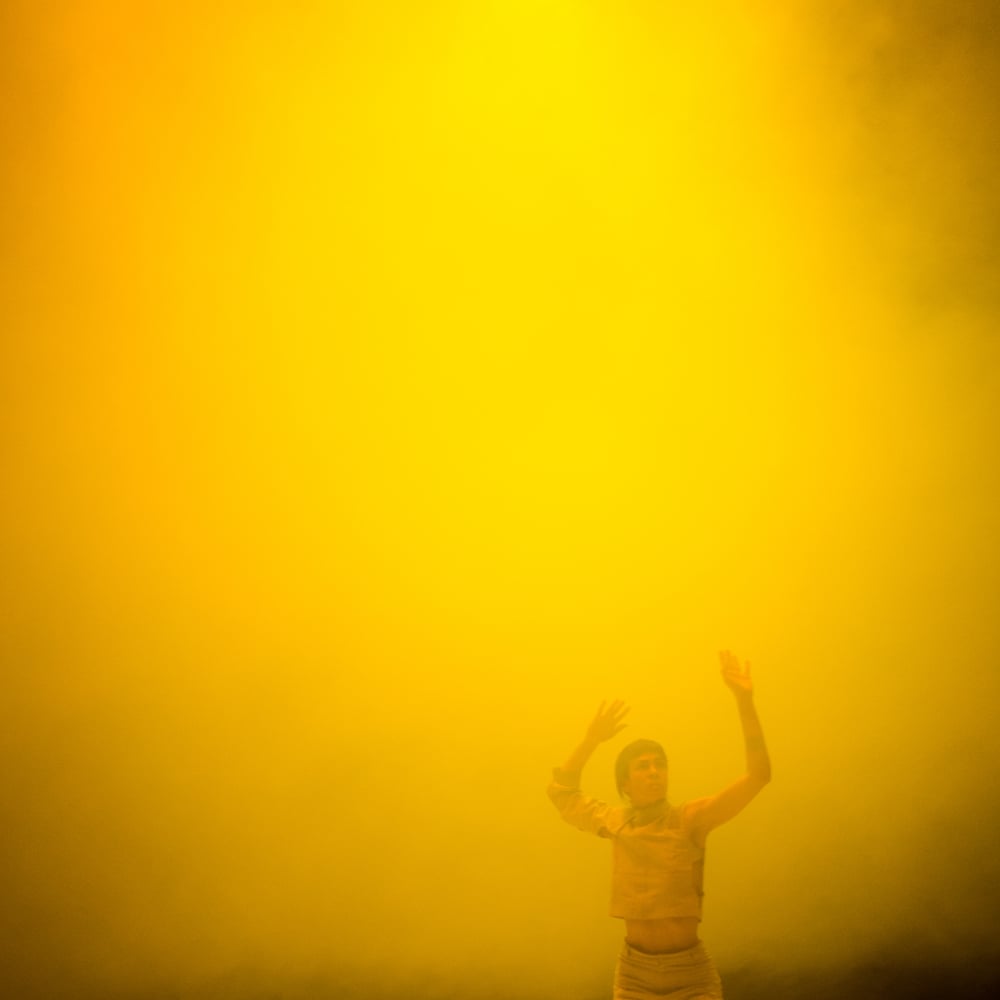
647	779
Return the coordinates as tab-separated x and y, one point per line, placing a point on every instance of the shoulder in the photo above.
617	817
689	811
691	819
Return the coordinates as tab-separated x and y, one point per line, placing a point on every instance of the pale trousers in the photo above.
680	975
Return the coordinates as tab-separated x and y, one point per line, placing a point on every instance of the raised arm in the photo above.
706	814
606	724
583	812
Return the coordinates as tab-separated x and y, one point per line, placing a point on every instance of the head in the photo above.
641	772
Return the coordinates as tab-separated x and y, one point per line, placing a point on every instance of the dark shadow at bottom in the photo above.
874	981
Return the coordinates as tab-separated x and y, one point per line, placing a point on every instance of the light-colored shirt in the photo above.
657	870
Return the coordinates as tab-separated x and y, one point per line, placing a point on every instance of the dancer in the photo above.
659	849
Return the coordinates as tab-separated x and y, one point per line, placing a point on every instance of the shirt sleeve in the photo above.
579	810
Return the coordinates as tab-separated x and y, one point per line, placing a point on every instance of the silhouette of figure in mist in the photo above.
659	849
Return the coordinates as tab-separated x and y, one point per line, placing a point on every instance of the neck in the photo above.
650	810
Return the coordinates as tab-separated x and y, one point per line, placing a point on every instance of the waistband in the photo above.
696	955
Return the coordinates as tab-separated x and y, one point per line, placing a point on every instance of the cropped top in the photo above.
657	870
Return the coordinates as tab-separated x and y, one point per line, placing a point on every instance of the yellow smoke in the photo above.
385	384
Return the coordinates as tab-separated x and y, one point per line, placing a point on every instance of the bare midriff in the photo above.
660	937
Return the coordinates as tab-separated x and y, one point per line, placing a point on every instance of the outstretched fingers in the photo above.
608	721
735	674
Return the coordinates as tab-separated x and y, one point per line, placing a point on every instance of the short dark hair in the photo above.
629	753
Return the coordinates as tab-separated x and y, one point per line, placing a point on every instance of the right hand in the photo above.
607	722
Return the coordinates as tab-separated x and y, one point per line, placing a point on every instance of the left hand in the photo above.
737	677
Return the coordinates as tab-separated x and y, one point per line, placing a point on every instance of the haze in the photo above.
385	385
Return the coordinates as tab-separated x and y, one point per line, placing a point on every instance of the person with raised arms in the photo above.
659	849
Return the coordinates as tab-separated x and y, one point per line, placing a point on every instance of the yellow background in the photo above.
385	384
